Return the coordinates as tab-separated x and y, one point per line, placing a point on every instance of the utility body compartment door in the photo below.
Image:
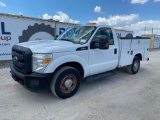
146	51
125	56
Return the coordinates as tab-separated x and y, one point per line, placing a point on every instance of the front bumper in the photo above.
31	81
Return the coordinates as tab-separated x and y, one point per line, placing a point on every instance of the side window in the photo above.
106	32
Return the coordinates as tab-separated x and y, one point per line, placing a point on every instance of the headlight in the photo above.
40	62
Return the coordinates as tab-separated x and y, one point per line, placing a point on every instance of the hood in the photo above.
49	46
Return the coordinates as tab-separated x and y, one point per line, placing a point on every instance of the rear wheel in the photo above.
65	82
134	67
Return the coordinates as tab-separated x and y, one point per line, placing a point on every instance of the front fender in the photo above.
64	59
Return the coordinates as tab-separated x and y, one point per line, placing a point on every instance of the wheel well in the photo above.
75	65
139	55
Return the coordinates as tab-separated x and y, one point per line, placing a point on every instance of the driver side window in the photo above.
104	32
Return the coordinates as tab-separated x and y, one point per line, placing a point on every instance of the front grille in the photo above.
22	59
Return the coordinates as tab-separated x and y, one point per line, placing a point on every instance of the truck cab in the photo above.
80	52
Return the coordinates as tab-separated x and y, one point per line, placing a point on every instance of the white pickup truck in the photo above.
81	52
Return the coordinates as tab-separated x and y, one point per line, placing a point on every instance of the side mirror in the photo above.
103	43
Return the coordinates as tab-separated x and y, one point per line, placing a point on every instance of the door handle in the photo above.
115	51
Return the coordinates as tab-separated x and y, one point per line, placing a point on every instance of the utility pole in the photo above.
144	29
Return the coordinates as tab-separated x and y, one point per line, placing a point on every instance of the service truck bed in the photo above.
129	47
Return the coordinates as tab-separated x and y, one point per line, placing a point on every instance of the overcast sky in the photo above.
131	15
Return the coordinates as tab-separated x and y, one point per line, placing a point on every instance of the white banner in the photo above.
15	30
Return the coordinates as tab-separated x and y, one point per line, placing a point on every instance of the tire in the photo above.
65	82
134	67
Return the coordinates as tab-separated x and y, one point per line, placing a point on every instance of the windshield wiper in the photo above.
66	40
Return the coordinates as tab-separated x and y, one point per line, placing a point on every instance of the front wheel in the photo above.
65	82
134	67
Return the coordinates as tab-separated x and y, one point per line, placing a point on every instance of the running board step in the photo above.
99	76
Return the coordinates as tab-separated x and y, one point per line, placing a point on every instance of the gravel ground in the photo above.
119	97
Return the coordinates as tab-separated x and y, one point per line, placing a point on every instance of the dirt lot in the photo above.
119	97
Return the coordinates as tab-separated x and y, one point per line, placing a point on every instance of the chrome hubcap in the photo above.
136	65
68	83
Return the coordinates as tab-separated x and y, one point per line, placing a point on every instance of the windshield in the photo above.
78	34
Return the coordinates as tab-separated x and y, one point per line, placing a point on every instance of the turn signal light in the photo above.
106	45
47	60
